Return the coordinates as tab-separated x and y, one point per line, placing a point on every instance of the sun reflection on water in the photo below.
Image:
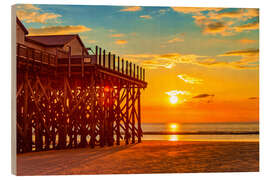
173	127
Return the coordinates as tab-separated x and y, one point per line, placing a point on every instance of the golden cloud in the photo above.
146	17
174	40
131	9
224	23
247	41
249	60
194	10
117	35
32	14
190	80
58	30
246	53
154	61
247	27
241	14
36	17
120	42
27	7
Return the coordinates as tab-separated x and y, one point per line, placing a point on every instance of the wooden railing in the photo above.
107	61
35	55
115	63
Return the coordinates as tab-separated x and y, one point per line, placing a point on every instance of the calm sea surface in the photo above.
201	131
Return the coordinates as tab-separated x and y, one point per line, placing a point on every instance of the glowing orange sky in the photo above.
207	57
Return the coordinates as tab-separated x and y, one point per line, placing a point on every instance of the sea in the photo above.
201	131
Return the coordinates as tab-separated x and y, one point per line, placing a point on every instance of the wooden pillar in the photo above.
82	63
69	62
102	112
93	110
127	115
27	124
118	115
139	115
111	117
132	113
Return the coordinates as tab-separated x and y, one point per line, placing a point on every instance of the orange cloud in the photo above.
247	41
117	35
213	22
174	40
27	7
194	10
246	53
249	60
247	27
58	30
120	42
189	79
30	14
146	17
131	9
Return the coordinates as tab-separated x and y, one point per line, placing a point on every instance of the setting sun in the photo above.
173	99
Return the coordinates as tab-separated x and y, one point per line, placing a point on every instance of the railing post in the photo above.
143	74
99	57
96	55
118	64
104	57
140	73
134	69
123	66
137	72
130	69
126	67
114	62
109	60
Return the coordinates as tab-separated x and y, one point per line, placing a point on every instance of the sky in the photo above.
202	64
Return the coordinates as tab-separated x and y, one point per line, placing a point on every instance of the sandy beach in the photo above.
146	157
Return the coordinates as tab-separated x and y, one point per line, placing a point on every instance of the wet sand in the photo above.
146	157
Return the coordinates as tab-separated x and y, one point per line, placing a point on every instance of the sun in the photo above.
173	99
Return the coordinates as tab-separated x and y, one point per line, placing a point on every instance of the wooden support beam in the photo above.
132	113
127	135
139	115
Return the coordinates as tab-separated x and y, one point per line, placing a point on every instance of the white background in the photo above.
5	86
